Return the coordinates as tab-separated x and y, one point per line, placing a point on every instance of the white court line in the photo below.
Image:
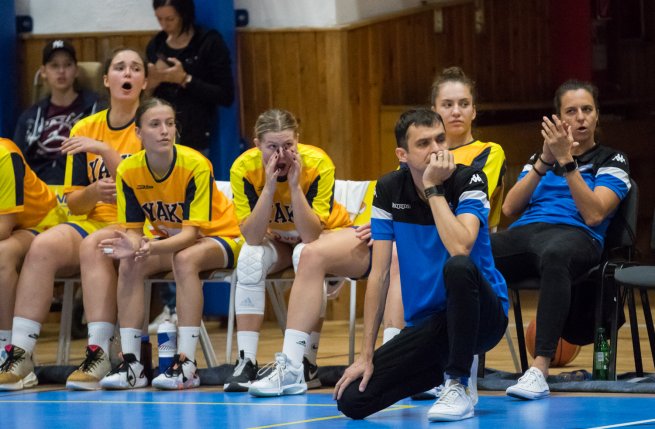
622	425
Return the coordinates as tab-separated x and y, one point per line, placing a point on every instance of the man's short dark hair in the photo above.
420	116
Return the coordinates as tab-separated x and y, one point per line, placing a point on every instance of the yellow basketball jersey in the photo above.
247	177
21	191
84	169
490	158
186	195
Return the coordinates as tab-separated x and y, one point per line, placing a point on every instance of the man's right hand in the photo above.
360	368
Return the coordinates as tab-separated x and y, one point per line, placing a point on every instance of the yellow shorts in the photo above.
54	217
87	226
231	248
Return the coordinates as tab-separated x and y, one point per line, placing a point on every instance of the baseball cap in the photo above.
58	45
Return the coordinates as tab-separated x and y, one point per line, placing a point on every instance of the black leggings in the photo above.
415	359
557	254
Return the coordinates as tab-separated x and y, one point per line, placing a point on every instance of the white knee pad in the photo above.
296	255
252	267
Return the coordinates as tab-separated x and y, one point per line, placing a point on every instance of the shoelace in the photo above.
276	369
449	396
176	368
91	360
529	378
9	363
125	366
241	365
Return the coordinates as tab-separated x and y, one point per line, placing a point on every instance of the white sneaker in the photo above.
161	318
532	385
180	375
88	375
283	379
17	371
128	375
454	404
435	392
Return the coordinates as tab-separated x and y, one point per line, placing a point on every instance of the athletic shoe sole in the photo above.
140	383
171	384
236	387
83	385
438	417
292	389
28	381
526	395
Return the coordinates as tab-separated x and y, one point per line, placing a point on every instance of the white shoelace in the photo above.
531	378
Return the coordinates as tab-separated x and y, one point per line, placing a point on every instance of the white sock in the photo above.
294	346
389	333
311	351
24	333
248	342
131	342
187	340
101	334
5	338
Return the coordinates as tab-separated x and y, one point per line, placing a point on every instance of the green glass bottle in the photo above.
601	356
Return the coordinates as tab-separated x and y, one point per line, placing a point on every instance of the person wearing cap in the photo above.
43	127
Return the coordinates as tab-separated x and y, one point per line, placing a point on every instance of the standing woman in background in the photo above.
97	143
189	67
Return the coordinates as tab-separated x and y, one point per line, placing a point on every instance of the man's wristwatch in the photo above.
436	190
562	170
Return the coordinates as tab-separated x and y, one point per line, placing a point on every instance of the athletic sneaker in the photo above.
435	392
88	375
311	374
532	385
284	379
180	375
245	372
454	404
17	371
128	375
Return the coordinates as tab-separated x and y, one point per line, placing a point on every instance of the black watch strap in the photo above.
561	170
437	190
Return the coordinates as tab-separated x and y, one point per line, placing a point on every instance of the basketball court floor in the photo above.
56	408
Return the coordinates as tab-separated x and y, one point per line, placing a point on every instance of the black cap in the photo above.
58	45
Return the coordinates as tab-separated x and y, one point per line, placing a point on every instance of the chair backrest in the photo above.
622	230
89	77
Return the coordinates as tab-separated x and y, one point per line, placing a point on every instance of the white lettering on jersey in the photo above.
401	206
619	158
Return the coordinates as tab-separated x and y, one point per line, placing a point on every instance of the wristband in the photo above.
563	170
539	173
436	190
551	165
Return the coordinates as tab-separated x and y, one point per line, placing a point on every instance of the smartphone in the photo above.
165	60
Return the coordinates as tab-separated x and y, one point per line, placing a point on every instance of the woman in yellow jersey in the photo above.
284	196
97	144
27	208
453	97
172	187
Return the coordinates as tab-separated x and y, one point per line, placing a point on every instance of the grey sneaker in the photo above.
244	373
284	379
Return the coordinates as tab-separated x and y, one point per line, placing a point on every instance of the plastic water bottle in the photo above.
601	355
167	341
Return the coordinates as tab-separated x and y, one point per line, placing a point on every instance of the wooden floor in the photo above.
334	345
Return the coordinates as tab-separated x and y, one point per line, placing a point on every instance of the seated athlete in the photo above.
173	187
27	208
455	300
283	194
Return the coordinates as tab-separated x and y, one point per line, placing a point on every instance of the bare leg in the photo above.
393	310
187	264
98	274
12	252
340	253
53	252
